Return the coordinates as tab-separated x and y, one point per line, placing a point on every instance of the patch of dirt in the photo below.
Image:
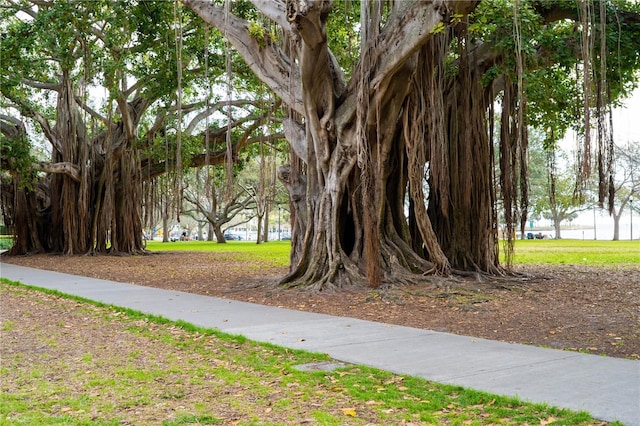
580	308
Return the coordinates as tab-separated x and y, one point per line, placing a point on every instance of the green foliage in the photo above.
623	45
17	158
109	46
344	39
438	29
554	101
538	173
6	242
259	33
551	54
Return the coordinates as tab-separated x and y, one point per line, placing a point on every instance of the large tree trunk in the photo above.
360	165
402	128
265	233
201	226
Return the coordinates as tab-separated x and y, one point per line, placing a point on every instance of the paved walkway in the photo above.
607	388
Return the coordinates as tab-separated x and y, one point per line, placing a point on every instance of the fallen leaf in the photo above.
349	412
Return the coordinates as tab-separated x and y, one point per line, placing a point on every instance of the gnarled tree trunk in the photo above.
363	161
361	150
90	200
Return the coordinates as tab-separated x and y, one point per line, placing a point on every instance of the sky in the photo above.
626	120
626	128
626	124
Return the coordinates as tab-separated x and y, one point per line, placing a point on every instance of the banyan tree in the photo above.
97	85
393	171
406	120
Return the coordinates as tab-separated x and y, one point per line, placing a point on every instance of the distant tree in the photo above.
218	206
627	182
560	202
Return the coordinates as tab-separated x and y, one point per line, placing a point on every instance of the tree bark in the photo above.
217	230
616	226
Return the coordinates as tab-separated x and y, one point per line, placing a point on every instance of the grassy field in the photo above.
563	252
6	241
274	253
578	252
161	372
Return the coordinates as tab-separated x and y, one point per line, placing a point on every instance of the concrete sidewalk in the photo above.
607	388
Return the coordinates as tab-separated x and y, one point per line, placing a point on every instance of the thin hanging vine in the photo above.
177	16
228	70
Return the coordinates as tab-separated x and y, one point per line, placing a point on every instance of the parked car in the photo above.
232	237
532	236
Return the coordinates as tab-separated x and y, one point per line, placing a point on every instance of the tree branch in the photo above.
410	26
297	137
28	111
268	63
126	117
11	127
137	85
95	114
275	10
26	10
216	157
41	85
213	108
65	168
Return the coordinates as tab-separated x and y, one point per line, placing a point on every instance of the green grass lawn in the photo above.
173	373
577	252
6	241
552	252
275	253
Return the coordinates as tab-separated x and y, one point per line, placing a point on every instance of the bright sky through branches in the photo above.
626	120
